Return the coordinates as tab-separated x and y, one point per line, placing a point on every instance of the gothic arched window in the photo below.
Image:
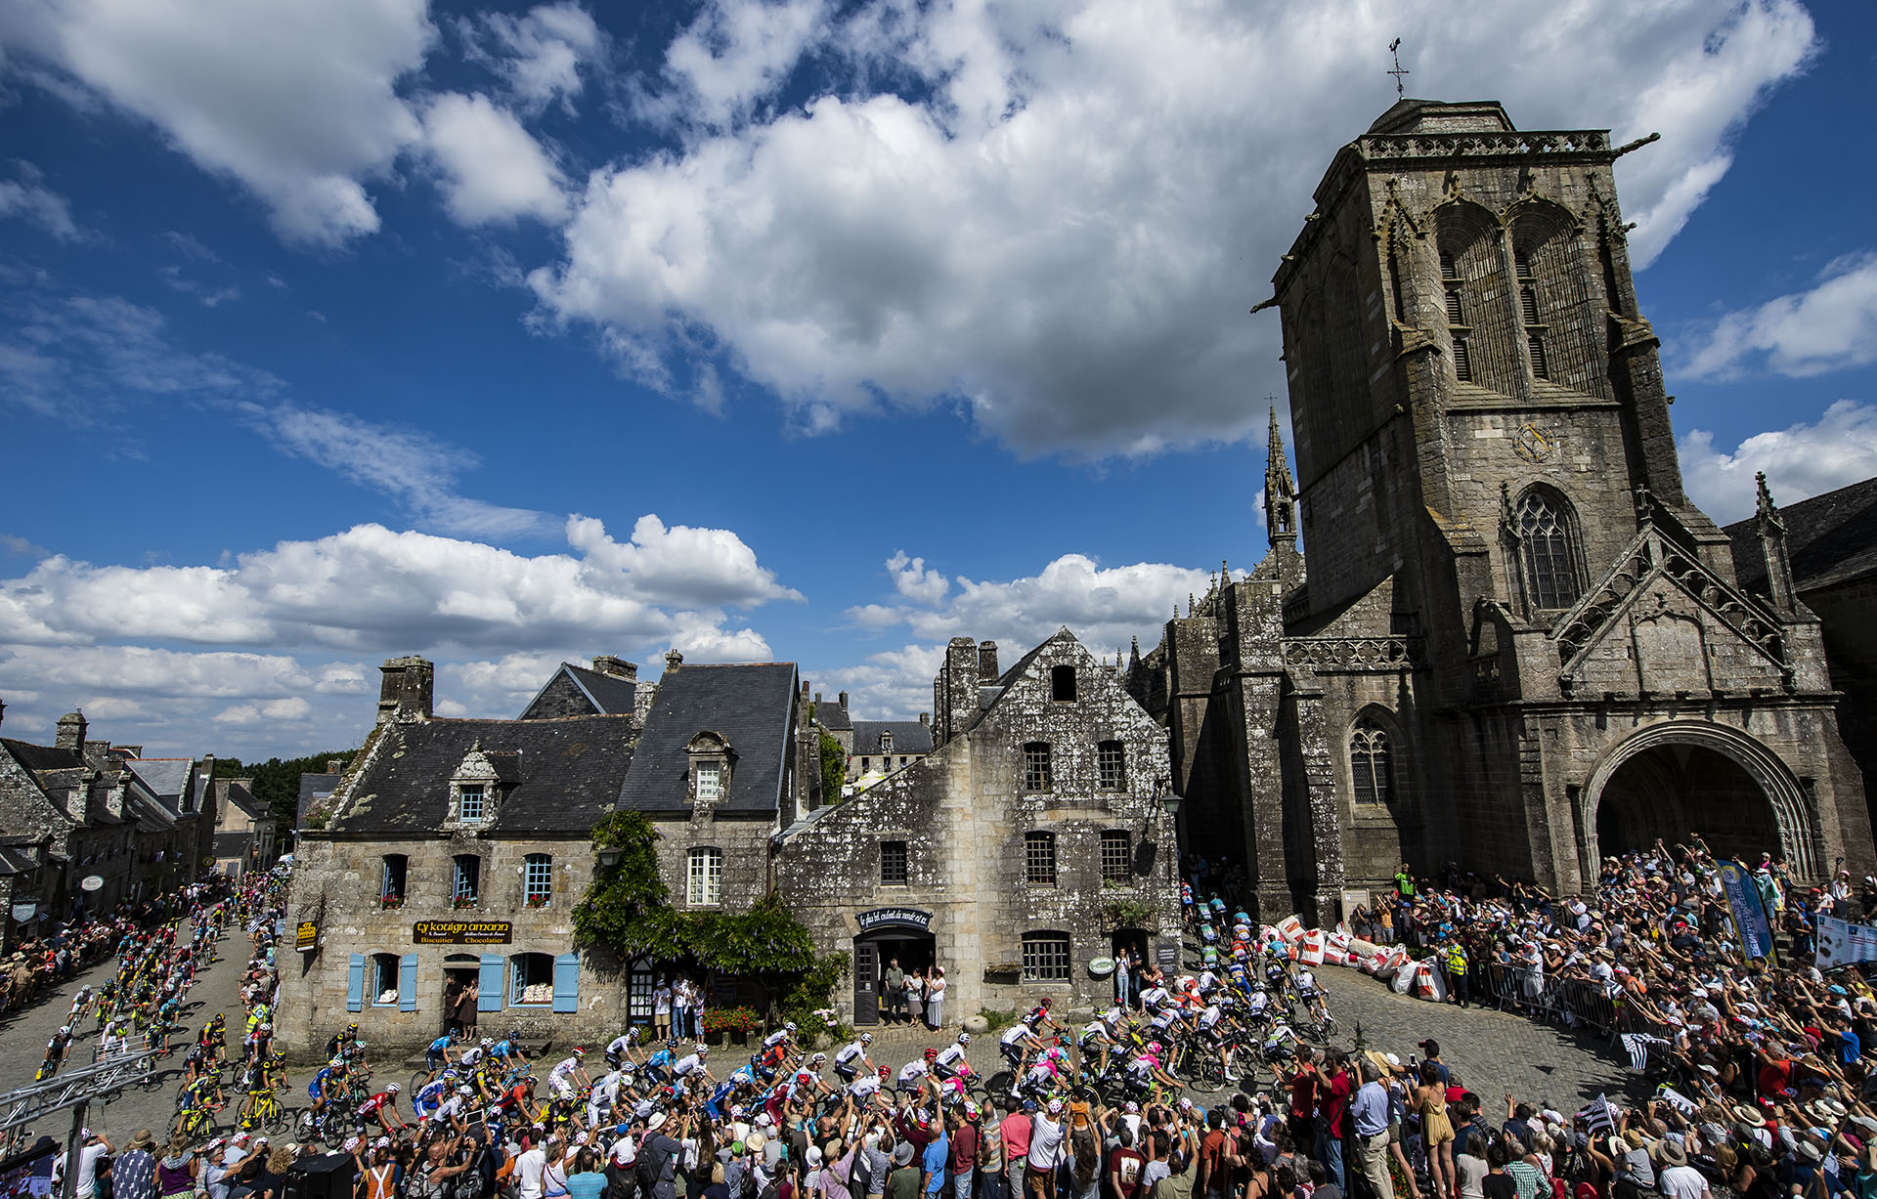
1369	767
1549	557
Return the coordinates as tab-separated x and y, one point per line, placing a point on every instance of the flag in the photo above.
1599	1116
1743	898
1637	1045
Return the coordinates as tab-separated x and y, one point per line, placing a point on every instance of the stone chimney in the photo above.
925	718
3	711
407	689
72	731
616	668
843	698
955	691
335	765
673	660
987	662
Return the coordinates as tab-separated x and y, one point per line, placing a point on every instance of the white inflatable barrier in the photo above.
1310	949
1391	963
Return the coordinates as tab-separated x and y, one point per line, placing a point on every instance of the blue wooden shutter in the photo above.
489	984
407	983
355	983
567	982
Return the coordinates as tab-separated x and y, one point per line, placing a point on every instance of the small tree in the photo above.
627	910
833	768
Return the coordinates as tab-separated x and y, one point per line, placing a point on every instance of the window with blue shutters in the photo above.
407	983
489	984
355	983
531	979
567	982
383	977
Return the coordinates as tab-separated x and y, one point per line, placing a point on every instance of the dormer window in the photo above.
712	761
886	743
470	803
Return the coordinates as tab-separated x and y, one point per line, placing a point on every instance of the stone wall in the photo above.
561	697
964	813
742	837
336	884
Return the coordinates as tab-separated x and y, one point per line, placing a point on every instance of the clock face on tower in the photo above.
1534	444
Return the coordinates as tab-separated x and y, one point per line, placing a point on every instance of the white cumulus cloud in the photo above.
491	169
1830	326
914	580
1057	217
540	54
1800	461
297	100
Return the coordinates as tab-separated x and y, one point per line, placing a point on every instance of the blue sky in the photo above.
802	330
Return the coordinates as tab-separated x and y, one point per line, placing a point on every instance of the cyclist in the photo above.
1017	1043
330	1078
566	1074
619	1049
1098	1039
1145	1073
950	1062
657	1068
438	1054
913	1074
383	1105
852	1058
57	1050
692	1065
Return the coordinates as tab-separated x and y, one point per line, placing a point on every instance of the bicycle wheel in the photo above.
275	1118
419	1081
1204	1074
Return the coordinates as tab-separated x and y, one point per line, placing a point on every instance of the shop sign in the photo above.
26	910
462	932
1167	955
306	936
898	917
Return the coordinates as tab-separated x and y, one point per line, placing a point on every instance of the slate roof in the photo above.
42	757
315	786
13	861
165	777
613	696
748	705
233	845
238	794
909	736
567	774
1831	538
831	714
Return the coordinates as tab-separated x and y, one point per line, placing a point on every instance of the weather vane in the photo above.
1394	48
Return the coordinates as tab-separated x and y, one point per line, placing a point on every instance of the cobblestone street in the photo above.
1492	1051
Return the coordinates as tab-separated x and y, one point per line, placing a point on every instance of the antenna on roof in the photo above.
1394	48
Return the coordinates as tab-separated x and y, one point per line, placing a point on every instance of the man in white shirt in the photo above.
1678	1179
529	1168
94	1148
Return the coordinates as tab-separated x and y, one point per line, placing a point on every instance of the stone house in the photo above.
1032	840
246	830
1511	642
450	853
446	862
81	808
883	746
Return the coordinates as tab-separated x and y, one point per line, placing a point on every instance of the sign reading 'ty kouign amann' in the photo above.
462	932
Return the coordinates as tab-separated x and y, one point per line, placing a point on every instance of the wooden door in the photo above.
866	983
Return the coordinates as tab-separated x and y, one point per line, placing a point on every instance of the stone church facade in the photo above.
1512	642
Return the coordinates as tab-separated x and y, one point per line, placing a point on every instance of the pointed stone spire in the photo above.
1134	653
1771	527
1280	491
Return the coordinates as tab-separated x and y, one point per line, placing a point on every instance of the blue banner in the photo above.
1743	896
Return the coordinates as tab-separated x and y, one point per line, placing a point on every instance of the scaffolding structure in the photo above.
73	1089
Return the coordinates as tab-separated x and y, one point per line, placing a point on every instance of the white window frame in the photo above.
710	791
703	877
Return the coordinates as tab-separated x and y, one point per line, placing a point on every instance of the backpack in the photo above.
651	1166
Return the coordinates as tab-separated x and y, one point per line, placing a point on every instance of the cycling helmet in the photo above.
352	1027
580	1050
931	1055
818	1059
964	1038
487	1043
65	1030
886	1072
700	1049
789	1027
465	1089
671	1042
1153	1047
866	1038
393	1089
337	1063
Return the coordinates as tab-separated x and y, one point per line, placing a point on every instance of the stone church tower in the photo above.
1517	645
